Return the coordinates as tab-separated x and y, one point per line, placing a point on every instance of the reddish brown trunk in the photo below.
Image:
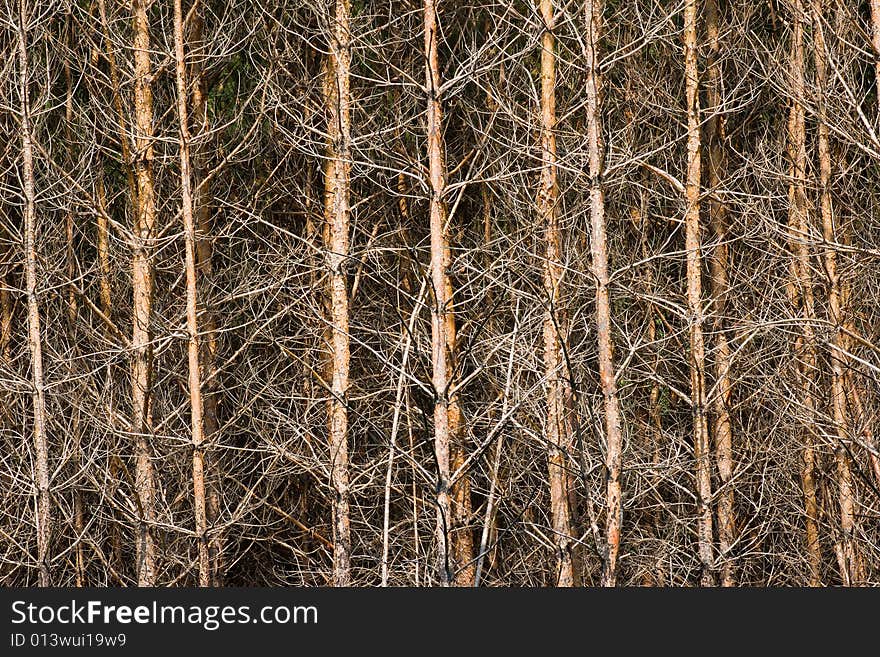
445	408
801	288
700	434
192	325
599	248
336	217
142	286
849	560
556	431
722	360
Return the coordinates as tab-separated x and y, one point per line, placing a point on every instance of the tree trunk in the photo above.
556	430
336	217
208	321
445	412
599	248
722	361
192	322
142	286
38	397
801	289
850	563
695	300
461	534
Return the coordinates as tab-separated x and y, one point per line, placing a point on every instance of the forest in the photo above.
476	293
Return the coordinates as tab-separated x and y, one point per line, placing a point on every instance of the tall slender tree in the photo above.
599	249
35	337
848	557
697	358
556	428
719	280
801	286
337	174
144	234
197	412
441	308
199	158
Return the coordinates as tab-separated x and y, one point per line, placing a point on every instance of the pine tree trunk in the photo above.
445	413
72	316
850	566
336	234
142	286
192	322
722	359
599	248
556	430
801	288
35	340
199	127
695	300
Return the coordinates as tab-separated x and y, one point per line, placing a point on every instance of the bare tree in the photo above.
336	217
720	282
197	412
599	247
849	561
556	428
35	337
692	195
440	286
144	232
801	287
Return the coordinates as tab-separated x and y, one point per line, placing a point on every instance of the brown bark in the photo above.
801	289
192	323
556	432
336	235
445	418
461	534
695	301
599	248
850	562
722	359
208	320
142	286
38	396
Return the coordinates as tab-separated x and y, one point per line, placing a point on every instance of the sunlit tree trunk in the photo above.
599	248
199	153
556	429
142	286
720	285
702	455
336	217
446	411
35	339
197	425
848	557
